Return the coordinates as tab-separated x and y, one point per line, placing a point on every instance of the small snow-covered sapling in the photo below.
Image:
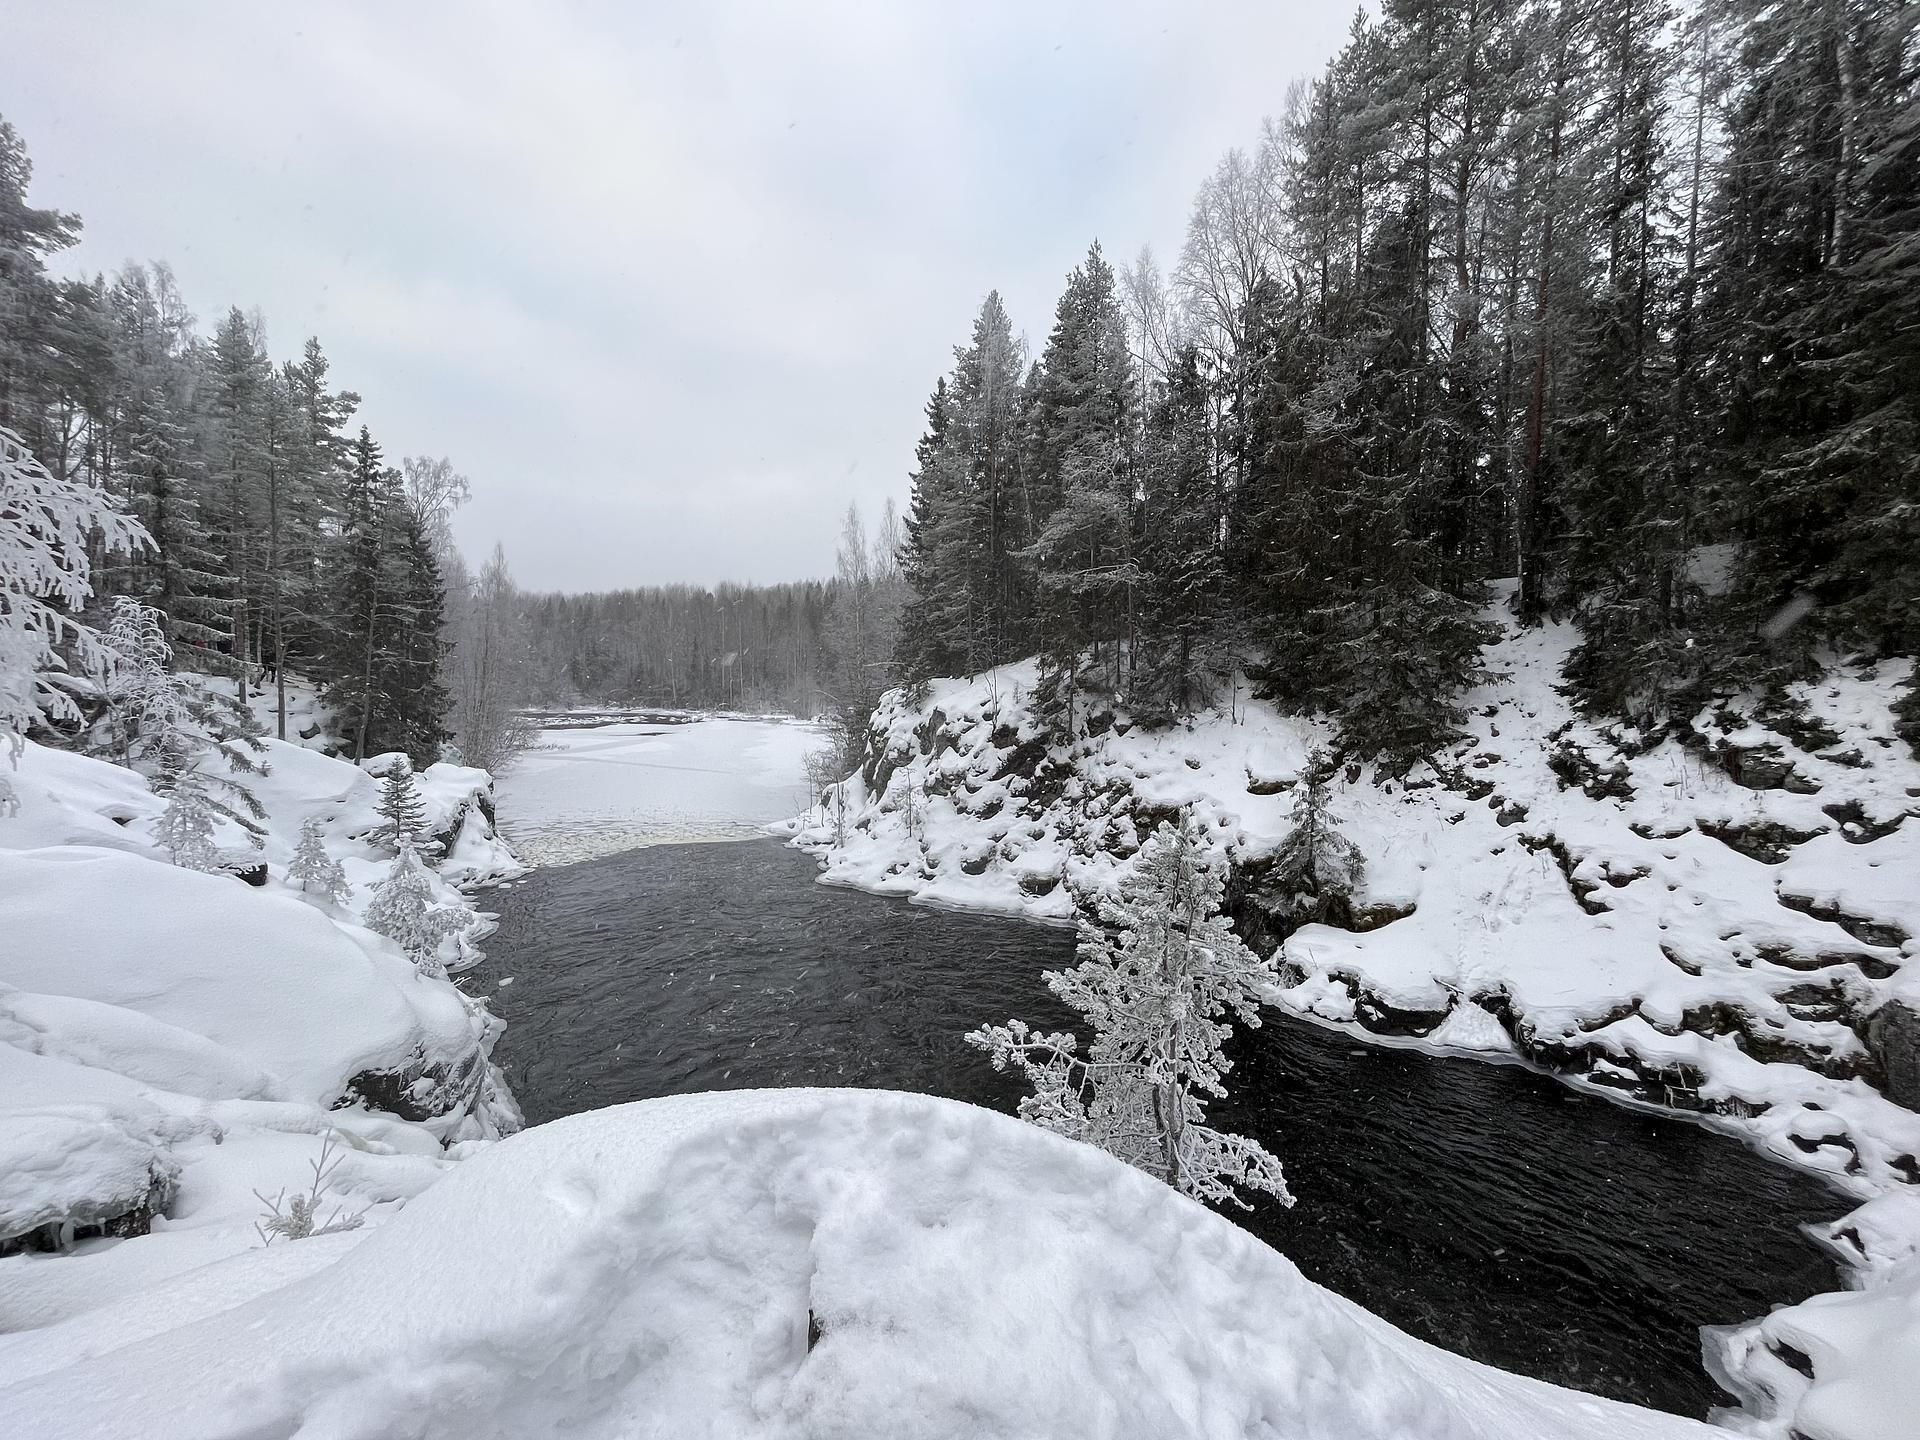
314	870
298	1216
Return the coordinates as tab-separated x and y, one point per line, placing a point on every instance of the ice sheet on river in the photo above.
778	1263
589	792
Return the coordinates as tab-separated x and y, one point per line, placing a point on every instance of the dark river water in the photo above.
1482	1207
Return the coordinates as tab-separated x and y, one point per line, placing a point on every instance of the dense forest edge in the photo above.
1618	298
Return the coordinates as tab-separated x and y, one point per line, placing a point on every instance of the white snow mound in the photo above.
789	1263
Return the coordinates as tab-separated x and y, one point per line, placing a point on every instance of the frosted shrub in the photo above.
1160	980
314	870
298	1216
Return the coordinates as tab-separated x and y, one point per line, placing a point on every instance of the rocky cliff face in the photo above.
1719	920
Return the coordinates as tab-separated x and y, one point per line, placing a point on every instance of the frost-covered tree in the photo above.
1317	867
313	869
1160	979
403	814
186	825
404	911
167	725
48	530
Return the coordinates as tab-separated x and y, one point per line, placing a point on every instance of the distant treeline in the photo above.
756	647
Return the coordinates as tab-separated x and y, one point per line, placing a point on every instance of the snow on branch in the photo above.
47	529
1161	979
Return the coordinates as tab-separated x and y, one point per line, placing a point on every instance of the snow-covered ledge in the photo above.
777	1264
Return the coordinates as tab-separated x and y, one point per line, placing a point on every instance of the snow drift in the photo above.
780	1263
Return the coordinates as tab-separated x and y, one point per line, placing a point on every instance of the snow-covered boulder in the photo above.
171	1041
783	1263
66	799
258	974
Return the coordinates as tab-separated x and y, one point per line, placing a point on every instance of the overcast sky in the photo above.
670	283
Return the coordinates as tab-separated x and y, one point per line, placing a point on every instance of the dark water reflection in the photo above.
1482	1207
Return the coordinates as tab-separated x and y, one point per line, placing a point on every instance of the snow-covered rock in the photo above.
1724	921
775	1263
171	1040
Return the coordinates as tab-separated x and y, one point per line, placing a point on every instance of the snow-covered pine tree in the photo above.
167	725
403	910
1317	869
186	825
1160	979
313	869
403	813
48	529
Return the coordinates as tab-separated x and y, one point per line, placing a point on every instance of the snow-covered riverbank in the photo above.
172	1041
1725	926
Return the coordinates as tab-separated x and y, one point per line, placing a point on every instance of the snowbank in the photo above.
777	1263
1723	922
171	1041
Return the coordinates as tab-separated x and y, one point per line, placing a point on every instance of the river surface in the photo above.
1483	1207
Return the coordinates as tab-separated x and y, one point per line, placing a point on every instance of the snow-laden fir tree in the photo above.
165	724
1160	979
1317	869
404	911
185	827
313	869
48	529
403	814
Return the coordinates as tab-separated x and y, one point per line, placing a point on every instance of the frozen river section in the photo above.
583	793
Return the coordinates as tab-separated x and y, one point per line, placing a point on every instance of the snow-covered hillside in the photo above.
1723	923
776	1263
172	1040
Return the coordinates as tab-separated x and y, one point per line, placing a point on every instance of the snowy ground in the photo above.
171	1041
779	1264
593	791
1714	926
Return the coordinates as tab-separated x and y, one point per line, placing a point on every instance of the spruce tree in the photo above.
185	827
1183	615
313	870
402	909
1080	480
403	812
1316	869
924	646
1160	980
